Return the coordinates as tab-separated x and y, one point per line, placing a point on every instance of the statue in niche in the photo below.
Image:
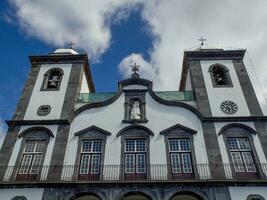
53	81
135	111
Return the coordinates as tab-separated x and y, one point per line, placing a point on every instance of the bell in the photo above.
53	83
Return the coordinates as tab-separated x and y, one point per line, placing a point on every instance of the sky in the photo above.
117	33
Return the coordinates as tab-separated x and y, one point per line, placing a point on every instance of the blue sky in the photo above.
128	37
117	33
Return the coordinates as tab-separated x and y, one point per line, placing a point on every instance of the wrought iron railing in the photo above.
71	173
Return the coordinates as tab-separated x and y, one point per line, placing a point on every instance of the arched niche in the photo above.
88	197
135	196
186	196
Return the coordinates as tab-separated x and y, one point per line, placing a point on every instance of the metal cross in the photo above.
135	68
70	44
202	39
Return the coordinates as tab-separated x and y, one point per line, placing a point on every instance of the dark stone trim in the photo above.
194	194
59	150
11	123
235	119
81	194
261	128
224	129
208	54
212	149
7	147
58	59
247	88
135	193
166	131
92	128
23	133
125	129
27	93
255	197
72	92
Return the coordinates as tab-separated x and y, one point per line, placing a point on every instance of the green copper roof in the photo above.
167	95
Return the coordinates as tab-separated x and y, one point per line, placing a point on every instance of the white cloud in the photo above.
87	23
174	25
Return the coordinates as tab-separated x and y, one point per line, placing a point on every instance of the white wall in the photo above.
48	155
29	193
53	98
188	86
218	95
84	86
241	193
160	117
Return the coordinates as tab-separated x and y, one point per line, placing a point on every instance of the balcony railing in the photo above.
106	173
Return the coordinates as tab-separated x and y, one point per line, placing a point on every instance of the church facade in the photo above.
205	141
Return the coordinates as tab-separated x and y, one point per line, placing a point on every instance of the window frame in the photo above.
135	132
92	133
31	134
236	131
227	74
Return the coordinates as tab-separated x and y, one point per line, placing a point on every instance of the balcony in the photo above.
117	173
166	95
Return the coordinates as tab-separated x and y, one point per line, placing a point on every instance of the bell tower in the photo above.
48	100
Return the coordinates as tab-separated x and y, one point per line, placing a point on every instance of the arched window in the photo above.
52	79
241	151
220	76
255	197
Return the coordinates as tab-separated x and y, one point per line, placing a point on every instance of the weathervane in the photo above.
202	40
70	44
135	70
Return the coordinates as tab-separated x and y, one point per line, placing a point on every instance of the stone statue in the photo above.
53	82
135	111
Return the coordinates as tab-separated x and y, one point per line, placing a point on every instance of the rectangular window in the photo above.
90	157
32	157
241	154
180	156
135	156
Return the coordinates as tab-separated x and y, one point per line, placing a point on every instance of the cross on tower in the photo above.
70	45
202	40
135	69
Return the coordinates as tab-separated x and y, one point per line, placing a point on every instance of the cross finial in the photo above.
135	69
202	40
70	44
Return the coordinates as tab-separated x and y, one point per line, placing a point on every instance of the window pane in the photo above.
130	145
86	146
244	143
129	163
95	164
232	142
250	167
186	160
96	146
36	164
175	162
29	147
39	147
174	145
184	145
238	164
84	167
141	163
25	164
140	145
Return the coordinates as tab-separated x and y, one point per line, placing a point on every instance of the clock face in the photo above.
229	107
